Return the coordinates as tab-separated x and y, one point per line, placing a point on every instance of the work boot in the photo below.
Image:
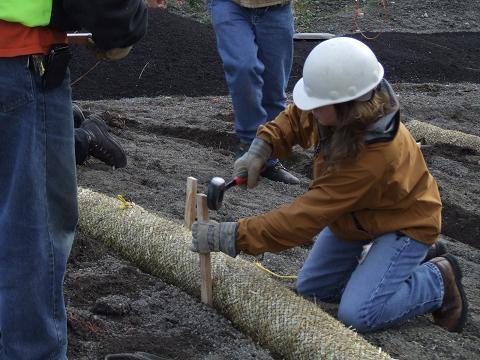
452	315
78	116
101	144
277	172
436	250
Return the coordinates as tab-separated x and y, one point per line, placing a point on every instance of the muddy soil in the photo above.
173	132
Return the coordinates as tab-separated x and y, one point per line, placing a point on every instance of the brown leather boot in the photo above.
436	250
452	315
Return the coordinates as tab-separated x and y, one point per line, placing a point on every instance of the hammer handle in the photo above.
238	180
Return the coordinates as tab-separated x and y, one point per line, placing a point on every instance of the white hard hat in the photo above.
337	70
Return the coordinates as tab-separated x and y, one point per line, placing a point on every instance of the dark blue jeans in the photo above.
256	48
38	212
390	285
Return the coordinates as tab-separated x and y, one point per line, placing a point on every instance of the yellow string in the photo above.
283	277
124	203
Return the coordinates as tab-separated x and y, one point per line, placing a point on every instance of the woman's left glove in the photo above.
213	236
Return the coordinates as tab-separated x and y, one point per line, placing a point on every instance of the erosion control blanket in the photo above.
273	315
435	135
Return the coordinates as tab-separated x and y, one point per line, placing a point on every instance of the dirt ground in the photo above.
175	120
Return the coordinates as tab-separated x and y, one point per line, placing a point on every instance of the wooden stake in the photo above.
190	202
205	264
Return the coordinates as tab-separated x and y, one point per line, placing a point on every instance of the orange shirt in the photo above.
17	39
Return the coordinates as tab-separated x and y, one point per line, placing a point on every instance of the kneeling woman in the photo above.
370	185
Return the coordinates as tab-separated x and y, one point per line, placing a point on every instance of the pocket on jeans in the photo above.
16	88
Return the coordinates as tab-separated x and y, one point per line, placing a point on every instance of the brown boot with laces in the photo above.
452	315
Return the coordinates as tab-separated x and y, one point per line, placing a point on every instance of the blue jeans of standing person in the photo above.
256	48
38	211
390	285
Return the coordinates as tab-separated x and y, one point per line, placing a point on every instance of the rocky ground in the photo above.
175	120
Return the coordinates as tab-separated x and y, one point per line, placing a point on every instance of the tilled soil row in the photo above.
178	56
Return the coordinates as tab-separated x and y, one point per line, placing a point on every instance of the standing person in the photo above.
38	192
370	184
255	43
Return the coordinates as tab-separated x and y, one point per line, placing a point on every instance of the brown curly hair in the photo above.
345	141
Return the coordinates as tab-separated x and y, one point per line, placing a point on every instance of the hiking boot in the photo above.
101	144
452	315
436	250
277	172
78	116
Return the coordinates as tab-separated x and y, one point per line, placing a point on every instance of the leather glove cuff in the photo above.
260	148
108	55
227	238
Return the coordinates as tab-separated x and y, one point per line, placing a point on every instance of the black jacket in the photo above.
113	23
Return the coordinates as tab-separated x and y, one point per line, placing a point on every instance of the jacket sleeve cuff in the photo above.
260	148
228	237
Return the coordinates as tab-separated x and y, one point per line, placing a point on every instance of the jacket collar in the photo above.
386	128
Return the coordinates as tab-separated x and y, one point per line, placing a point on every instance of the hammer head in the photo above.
215	192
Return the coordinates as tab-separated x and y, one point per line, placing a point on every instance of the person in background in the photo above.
38	192
255	43
370	185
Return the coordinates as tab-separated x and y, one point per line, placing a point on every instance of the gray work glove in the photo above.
213	236
251	164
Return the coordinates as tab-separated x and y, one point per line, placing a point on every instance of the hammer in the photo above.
217	188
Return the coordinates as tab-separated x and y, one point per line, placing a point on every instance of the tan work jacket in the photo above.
260	3
387	189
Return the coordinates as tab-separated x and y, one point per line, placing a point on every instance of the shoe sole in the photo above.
458	281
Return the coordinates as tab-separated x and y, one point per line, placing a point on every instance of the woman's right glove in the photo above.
251	164
108	55
213	236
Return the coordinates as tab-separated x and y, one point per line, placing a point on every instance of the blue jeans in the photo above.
389	286
38	212
256	47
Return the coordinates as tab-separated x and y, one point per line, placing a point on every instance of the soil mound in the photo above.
178	56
